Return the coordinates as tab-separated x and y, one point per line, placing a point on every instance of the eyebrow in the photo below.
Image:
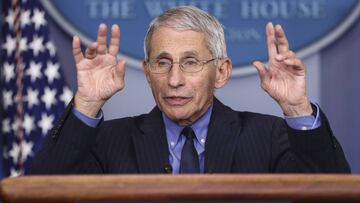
163	55
191	53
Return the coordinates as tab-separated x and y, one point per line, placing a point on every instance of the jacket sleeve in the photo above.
68	148
308	151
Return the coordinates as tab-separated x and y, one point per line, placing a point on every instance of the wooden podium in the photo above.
87	188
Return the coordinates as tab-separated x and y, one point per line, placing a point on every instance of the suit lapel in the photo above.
151	144
224	128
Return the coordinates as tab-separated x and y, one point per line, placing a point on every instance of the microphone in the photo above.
167	168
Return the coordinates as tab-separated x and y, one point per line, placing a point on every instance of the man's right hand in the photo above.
99	74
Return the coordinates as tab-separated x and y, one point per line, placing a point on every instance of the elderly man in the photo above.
189	130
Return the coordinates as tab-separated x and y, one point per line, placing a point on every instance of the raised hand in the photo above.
284	78
99	74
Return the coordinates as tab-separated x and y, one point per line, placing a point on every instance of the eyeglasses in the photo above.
187	65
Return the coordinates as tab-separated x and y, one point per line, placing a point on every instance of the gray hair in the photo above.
184	18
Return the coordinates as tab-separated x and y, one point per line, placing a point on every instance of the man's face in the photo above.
183	97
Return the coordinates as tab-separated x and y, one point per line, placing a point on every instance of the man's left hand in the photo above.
284	78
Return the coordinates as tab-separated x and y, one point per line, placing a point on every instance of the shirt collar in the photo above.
200	128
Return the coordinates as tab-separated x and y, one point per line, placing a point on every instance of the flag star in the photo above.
66	96
46	123
16	126
26	148
15	173
32	97
52	50
6	125
38	18
34	71
9	45
28	124
9	71
25	18
52	71
7	98
23	44
49	97
14	152
37	45
9	19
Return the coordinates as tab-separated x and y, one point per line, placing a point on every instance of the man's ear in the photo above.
146	71
223	72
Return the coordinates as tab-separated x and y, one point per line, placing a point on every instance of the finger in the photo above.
78	56
296	66
283	44
271	40
101	39
90	52
263	74
115	40
283	56
261	68
294	62
119	76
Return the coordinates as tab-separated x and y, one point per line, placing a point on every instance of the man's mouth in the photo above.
177	100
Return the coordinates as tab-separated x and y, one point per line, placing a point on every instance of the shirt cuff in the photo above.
89	121
304	122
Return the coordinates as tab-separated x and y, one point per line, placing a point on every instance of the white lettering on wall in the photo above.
247	9
215	7
243	34
102	9
285	9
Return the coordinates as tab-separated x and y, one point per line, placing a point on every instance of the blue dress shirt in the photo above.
176	142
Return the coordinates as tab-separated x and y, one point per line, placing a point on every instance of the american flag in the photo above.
33	89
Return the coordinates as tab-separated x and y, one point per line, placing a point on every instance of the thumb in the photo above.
263	74
260	67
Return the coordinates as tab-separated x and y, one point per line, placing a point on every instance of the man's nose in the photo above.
176	76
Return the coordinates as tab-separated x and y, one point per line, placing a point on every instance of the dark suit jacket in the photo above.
237	142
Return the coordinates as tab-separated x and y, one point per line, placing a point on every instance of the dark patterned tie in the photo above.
189	162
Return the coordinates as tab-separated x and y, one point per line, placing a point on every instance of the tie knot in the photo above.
188	132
